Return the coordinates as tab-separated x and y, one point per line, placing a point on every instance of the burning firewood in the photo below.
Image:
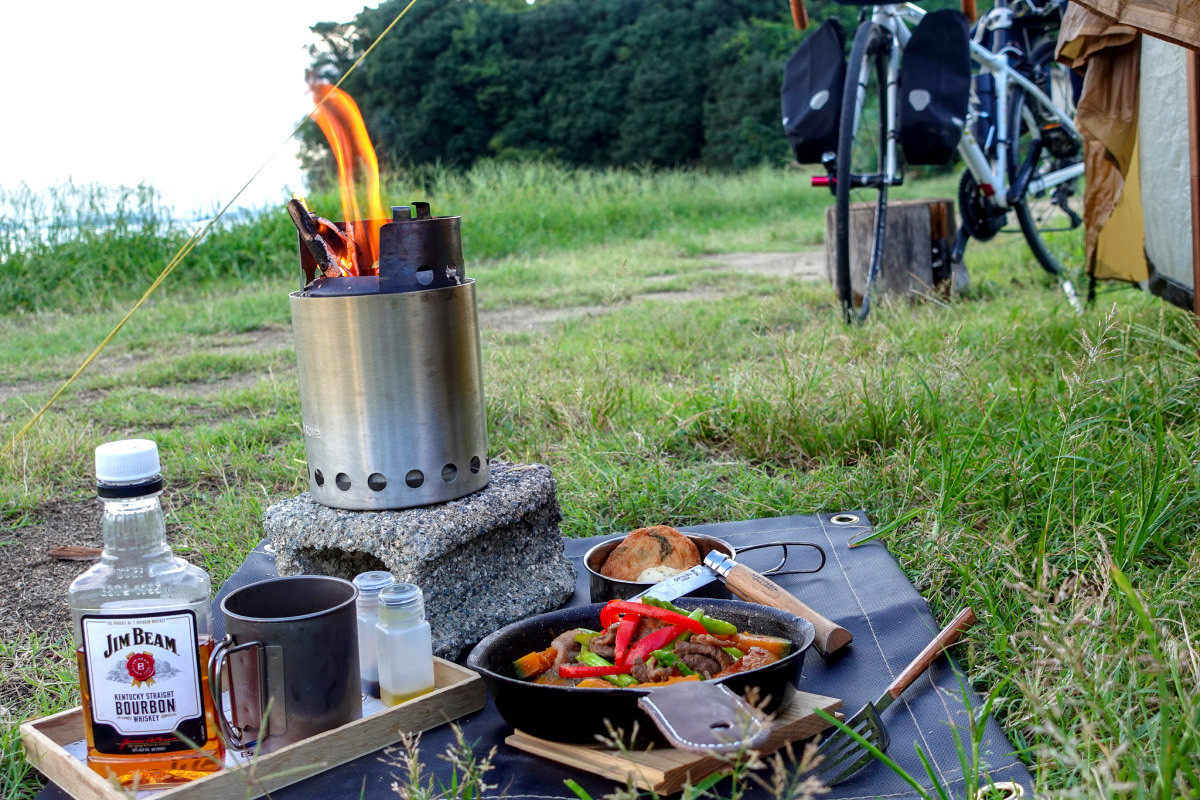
316	233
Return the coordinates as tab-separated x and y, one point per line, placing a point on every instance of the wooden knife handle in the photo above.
757	588
948	636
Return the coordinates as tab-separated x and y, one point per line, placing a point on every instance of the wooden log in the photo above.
919	232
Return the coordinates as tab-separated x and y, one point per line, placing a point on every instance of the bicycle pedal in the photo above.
1059	141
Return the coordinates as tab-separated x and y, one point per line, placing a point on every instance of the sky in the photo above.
192	98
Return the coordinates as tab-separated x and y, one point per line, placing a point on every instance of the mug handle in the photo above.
216	668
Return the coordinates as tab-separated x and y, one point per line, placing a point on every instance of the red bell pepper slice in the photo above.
583	671
653	641
625	631
609	614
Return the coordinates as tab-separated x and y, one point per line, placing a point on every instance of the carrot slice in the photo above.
667	682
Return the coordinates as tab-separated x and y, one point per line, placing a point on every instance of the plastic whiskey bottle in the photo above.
142	632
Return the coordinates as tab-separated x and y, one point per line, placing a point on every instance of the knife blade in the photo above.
755	587
681	584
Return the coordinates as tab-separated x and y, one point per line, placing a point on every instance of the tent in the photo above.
1138	114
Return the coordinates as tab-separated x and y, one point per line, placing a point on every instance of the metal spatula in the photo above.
842	755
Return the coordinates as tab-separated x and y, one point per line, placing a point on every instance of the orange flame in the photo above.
339	119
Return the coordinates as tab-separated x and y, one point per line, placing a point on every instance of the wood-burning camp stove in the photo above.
391	382
391	393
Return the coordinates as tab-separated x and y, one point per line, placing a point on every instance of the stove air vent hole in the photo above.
414	478
319	477
424	276
377	481
474	465
449	473
343	481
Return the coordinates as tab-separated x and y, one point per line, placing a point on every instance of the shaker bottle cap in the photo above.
372	582
405	596
130	461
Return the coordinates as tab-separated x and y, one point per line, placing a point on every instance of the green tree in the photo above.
620	82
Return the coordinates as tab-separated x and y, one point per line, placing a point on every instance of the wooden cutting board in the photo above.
665	770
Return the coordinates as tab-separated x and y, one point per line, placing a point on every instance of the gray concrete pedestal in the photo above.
483	561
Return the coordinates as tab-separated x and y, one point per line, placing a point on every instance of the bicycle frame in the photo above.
991	175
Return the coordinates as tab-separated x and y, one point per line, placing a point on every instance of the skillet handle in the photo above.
750	585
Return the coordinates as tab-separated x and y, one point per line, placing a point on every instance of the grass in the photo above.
1042	464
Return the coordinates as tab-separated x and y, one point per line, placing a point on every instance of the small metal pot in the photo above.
602	588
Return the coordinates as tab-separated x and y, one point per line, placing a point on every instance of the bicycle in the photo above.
1031	159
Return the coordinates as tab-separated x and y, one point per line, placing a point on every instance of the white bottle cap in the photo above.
127	461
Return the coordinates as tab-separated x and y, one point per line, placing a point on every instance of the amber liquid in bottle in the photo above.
157	769
143	635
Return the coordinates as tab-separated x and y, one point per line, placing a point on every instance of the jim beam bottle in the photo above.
143	636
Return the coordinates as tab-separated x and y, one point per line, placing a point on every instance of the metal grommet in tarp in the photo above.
1004	790
844	519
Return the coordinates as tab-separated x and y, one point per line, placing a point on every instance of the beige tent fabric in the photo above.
1176	21
1083	32
1107	118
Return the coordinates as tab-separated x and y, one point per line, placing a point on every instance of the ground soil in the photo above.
35	584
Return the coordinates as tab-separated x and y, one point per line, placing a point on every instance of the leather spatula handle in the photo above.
757	588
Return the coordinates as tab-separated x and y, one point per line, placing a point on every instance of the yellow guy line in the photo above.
188	245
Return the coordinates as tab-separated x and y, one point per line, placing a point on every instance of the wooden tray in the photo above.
458	691
665	770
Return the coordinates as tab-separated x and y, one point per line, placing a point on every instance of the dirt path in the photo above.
806	265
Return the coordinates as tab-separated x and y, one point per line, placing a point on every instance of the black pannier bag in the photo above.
935	87
811	97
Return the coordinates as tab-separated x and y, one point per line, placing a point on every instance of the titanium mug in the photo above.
291	656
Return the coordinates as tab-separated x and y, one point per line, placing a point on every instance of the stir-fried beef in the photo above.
704	654
605	645
646	673
565	648
758	657
648	625
701	663
713	641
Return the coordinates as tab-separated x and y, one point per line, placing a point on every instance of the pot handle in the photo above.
230	734
778	568
705	718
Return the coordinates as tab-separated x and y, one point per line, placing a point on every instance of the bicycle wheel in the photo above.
1051	218
861	159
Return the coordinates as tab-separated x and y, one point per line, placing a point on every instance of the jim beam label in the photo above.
144	678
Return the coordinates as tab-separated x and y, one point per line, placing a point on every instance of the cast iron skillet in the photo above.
573	715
